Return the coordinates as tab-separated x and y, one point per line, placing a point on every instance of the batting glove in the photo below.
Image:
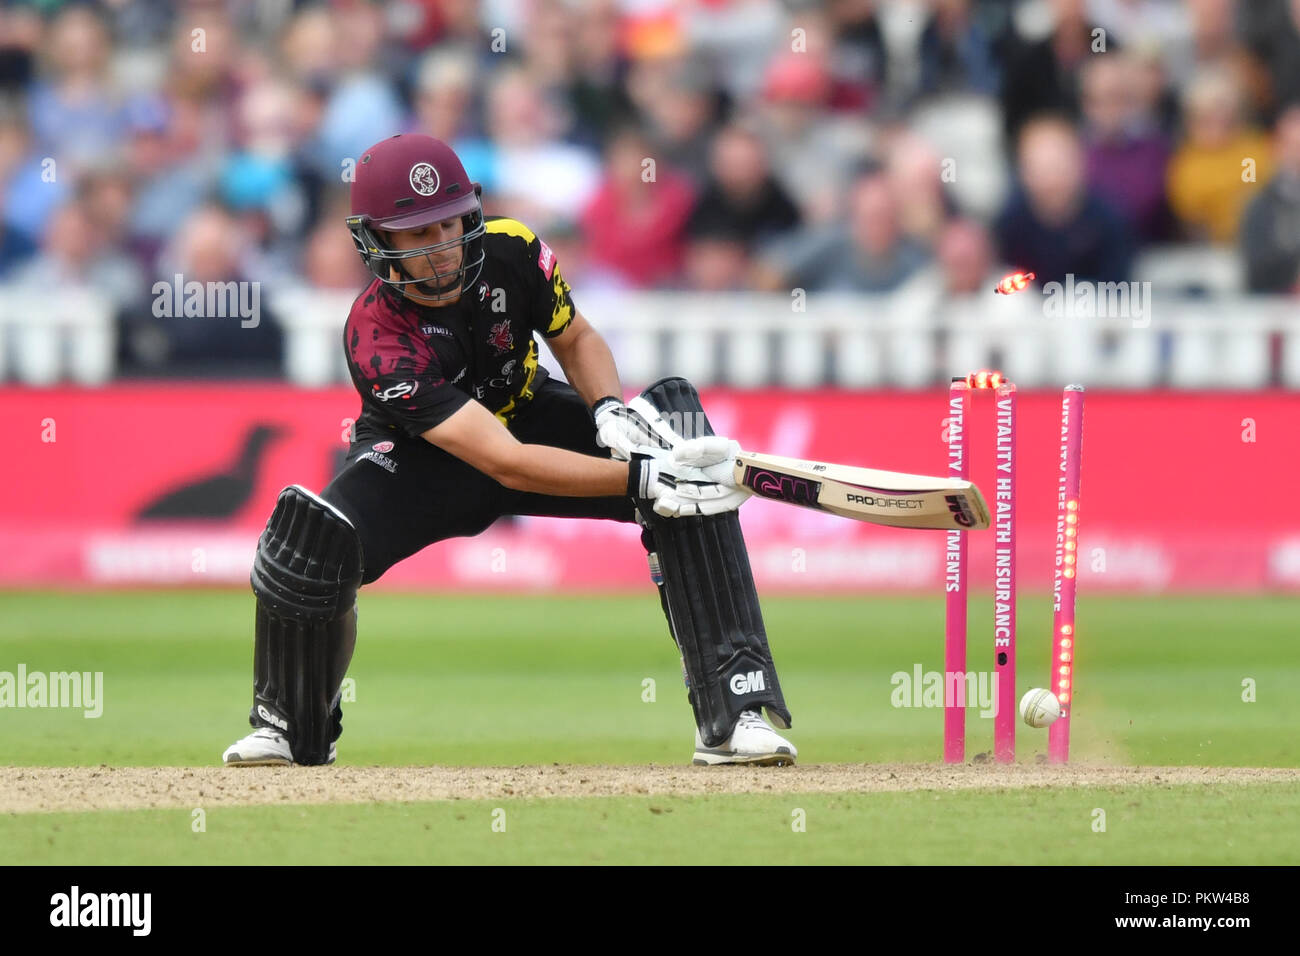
623	431
679	491
714	455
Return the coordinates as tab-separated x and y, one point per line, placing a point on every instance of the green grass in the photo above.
484	680
1174	825
475	680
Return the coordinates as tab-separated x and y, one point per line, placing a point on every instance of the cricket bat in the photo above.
865	494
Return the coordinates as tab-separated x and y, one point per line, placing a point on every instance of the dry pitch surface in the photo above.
37	789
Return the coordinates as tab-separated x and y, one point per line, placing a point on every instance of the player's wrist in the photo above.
642	477
603	405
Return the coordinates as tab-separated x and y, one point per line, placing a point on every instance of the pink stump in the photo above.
1065	571
1004	584
954	646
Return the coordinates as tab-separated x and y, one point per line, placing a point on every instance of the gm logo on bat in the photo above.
769	484
960	509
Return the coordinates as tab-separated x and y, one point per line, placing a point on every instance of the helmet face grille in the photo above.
382	260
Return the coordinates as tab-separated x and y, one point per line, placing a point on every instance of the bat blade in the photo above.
892	498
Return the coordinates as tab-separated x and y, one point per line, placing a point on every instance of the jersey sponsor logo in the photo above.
435	330
483	290
382	460
424	179
382	446
501	338
546	259
749	683
504	381
400	390
270	718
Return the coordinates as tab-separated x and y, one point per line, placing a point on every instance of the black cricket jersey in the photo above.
414	365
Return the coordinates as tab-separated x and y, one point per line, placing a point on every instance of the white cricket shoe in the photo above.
264	747
752	741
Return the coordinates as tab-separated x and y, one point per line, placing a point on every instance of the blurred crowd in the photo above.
707	145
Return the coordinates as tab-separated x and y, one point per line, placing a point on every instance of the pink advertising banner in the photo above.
151	484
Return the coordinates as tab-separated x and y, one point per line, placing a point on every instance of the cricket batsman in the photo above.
459	425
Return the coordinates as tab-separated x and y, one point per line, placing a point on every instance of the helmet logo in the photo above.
424	179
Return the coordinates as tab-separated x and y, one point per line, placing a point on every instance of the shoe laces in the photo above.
752	719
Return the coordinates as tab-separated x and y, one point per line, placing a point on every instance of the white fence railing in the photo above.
905	341
49	337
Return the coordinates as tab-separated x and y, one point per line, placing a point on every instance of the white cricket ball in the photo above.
1039	707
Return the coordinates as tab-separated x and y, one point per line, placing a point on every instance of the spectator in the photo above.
460	23
634	223
204	66
1217	30
105	193
858	55
1152	94
19	180
736	36
680	107
447	108
171	170
549	54
949	312
868	253
330	260
963	267
597	92
957	52
917	180
207	249
741	189
261	181
444	95
1127	156
74	110
363	106
21	36
73	255
1207	178
718	258
540	178
1054	224
1041	76
1273	30
1165	25
1270	229
813	149
964	259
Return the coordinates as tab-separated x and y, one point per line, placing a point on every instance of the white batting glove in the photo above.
680	491
690	499
623	431
714	455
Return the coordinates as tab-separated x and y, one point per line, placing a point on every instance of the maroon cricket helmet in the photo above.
409	181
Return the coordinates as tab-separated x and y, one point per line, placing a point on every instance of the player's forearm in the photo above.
590	368
542	469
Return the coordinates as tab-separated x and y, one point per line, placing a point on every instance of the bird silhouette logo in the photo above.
218	495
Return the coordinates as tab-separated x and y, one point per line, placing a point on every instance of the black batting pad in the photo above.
708	590
305	576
